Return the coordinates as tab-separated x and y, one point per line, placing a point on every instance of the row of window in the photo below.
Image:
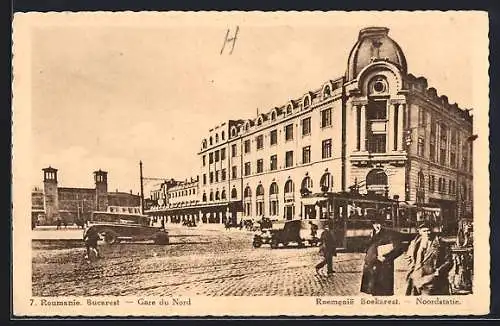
327	92
214	176
211	139
445	186
443	153
326	152
220	195
326	121
218	155
180	193
326	182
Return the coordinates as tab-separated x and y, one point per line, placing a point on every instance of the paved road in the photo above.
197	262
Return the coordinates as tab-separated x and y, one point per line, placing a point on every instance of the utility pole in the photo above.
142	188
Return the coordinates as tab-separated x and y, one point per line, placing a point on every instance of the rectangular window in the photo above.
223	174
260	166
289	132
377	110
306	126
222	154
247	146
217	156
274	137
289	159
273	208
234	171
234	151
420	146
210	158
453	159
377	144
306	155
431	183
274	162
422	117
326	118
211	177
216	176
204	160
326	148
247	168
204	179
260	141
442	156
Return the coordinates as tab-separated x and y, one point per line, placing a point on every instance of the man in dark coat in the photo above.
327	248
378	269
430	263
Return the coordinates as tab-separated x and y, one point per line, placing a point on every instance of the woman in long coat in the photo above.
378	268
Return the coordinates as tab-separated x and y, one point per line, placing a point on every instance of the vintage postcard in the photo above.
250	164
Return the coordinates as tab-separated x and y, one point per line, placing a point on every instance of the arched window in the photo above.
204	197
217	195
326	182
216	138
204	144
273	190
376	177
233	132
289	186
223	194
211	196
211	140
247	126
259	121
247	193
306	185
327	91
289	109
223	135
259	191
234	193
306	102
273	116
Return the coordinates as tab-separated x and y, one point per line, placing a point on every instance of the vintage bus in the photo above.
126	223
353	215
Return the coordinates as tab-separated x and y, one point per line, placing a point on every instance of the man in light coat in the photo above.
429	264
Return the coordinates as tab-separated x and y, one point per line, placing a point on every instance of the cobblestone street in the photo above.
198	261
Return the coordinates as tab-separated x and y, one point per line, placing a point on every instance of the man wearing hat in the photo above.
430	262
378	269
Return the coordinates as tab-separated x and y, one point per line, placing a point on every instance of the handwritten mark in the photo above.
228	39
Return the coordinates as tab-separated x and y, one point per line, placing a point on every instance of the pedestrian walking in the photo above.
58	223
430	262
91	237
327	248
378	269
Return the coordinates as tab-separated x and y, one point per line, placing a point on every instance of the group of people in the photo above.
429	260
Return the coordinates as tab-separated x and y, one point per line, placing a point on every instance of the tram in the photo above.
353	214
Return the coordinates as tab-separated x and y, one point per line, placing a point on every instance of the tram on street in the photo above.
353	215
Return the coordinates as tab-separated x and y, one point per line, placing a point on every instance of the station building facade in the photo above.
377	128
70	204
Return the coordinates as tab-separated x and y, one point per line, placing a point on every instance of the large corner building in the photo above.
378	128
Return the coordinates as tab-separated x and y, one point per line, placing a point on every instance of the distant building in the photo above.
73	204
378	129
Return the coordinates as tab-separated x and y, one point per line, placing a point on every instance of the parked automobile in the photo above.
263	234
296	232
126	223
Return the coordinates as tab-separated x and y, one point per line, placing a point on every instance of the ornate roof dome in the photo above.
374	44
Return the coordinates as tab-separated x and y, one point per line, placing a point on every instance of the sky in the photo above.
107	93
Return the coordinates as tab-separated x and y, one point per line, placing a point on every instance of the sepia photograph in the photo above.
232	163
